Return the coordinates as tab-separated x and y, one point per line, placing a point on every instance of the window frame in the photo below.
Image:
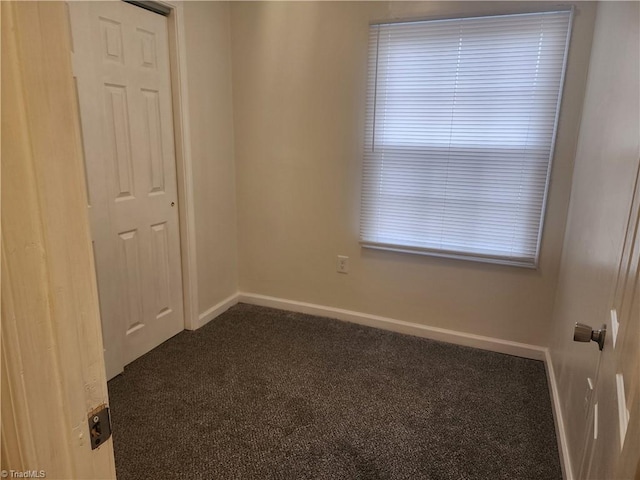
522	262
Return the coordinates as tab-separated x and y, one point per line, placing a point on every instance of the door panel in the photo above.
52	360
121	65
613	444
119	140
161	264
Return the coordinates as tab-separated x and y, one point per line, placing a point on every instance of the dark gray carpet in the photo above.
265	394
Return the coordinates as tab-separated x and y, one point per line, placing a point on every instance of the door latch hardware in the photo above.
99	426
584	333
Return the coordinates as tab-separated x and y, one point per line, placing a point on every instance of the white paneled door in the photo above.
121	68
613	441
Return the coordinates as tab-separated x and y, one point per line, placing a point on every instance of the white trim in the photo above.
434	333
561	434
184	168
218	309
552	151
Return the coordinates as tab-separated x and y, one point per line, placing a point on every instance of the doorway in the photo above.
121	66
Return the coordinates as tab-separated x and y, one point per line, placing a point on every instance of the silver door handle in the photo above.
584	333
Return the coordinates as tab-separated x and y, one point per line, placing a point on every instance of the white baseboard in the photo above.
434	333
217	309
561	433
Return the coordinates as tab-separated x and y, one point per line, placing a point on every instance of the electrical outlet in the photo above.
343	264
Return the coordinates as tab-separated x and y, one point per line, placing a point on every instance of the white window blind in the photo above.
460	129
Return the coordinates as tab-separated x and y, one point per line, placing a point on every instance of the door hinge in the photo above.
99	426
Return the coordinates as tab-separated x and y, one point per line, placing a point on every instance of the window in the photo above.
460	129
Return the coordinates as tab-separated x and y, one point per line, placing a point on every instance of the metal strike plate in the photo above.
99	426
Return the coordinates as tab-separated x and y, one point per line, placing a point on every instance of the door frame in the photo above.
184	164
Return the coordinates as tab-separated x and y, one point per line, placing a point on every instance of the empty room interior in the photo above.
320	240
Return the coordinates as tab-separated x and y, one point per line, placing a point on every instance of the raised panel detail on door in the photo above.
121	60
84	153
147	48
112	40
154	140
161	269
131	280
117	115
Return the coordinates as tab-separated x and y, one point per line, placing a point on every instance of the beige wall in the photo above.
606	164
299	72
208	46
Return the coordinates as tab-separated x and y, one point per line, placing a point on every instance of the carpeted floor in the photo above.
265	394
